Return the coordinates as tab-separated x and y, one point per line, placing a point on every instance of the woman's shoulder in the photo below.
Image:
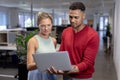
53	39
32	40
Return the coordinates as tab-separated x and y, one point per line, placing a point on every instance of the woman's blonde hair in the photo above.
43	15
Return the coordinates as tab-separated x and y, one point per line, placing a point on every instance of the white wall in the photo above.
96	21
117	38
13	17
111	19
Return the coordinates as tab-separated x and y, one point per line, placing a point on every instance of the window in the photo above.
25	20
3	20
103	22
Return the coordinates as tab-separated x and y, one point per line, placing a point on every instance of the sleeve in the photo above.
89	53
62	42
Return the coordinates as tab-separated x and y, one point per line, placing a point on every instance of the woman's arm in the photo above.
54	41
31	48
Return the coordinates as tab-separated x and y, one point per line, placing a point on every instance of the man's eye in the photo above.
70	16
76	17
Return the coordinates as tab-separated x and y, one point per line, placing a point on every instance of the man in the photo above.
82	42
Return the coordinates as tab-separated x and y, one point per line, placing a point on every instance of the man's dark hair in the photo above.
77	5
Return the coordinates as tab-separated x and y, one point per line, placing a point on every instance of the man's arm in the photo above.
89	53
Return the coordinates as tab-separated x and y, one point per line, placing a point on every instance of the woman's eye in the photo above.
49	25
42	25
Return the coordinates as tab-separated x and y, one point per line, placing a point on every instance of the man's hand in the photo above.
75	69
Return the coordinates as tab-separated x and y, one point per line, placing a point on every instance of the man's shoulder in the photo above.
91	30
68	29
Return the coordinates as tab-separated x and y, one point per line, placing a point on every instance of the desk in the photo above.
6	50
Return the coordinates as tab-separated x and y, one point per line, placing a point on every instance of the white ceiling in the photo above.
92	6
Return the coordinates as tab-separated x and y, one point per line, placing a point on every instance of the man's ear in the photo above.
84	15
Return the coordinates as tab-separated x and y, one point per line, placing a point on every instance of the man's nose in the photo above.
73	20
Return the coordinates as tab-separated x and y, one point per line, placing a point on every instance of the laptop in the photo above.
59	60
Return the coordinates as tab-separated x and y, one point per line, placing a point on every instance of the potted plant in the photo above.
21	42
108	33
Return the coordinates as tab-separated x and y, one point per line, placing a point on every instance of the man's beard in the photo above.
77	26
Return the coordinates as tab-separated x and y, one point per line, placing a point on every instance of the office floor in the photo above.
104	66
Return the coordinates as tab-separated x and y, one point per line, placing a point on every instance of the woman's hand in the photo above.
52	70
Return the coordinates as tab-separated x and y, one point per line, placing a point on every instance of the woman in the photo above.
40	43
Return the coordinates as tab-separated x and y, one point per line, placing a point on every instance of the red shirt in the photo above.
82	48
